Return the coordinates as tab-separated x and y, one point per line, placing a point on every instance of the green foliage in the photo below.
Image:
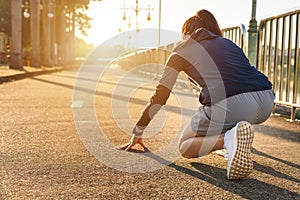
82	48
77	9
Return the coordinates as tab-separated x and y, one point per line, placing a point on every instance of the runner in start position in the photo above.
234	95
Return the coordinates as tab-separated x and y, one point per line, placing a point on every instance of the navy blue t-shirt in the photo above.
216	64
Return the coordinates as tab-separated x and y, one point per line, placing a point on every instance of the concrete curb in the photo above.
8	75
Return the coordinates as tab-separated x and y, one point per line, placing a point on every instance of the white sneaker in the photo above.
221	152
237	145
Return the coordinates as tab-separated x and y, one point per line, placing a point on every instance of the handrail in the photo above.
278	57
237	34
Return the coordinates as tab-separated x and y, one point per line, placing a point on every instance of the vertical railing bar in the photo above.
270	49
276	56
282	59
260	41
288	77
240	38
264	69
235	36
296	58
228	34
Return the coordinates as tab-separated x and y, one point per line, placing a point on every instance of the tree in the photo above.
76	17
82	48
56	20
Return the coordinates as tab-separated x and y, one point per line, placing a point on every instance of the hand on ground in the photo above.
133	141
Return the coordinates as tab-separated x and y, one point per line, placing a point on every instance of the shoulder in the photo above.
203	34
176	61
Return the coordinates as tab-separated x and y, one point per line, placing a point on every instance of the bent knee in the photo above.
192	148
186	150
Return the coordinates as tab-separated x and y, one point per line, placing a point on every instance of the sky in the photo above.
107	17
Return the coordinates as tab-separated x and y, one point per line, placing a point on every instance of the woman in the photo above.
233	95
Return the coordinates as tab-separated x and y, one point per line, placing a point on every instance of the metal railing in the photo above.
278	57
237	34
150	62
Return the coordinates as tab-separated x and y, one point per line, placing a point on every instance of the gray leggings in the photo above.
253	107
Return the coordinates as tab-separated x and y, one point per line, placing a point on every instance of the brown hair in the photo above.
203	19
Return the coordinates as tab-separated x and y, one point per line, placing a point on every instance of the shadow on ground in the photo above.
249	188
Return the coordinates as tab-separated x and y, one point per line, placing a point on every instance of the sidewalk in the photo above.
8	74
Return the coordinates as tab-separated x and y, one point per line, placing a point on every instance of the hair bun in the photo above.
199	13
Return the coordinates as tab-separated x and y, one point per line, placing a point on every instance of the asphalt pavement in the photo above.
60	126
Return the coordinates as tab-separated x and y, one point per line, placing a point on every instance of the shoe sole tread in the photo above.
242	165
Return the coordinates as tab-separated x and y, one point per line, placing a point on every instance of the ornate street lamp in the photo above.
136	9
252	35
26	7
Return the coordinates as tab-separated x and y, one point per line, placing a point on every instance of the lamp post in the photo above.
26	32
252	35
137	9
53	45
61	30
16	46
26	7
48	41
158	39
159	23
35	14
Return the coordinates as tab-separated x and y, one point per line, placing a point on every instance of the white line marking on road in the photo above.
77	104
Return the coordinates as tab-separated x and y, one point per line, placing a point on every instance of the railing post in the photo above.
252	36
